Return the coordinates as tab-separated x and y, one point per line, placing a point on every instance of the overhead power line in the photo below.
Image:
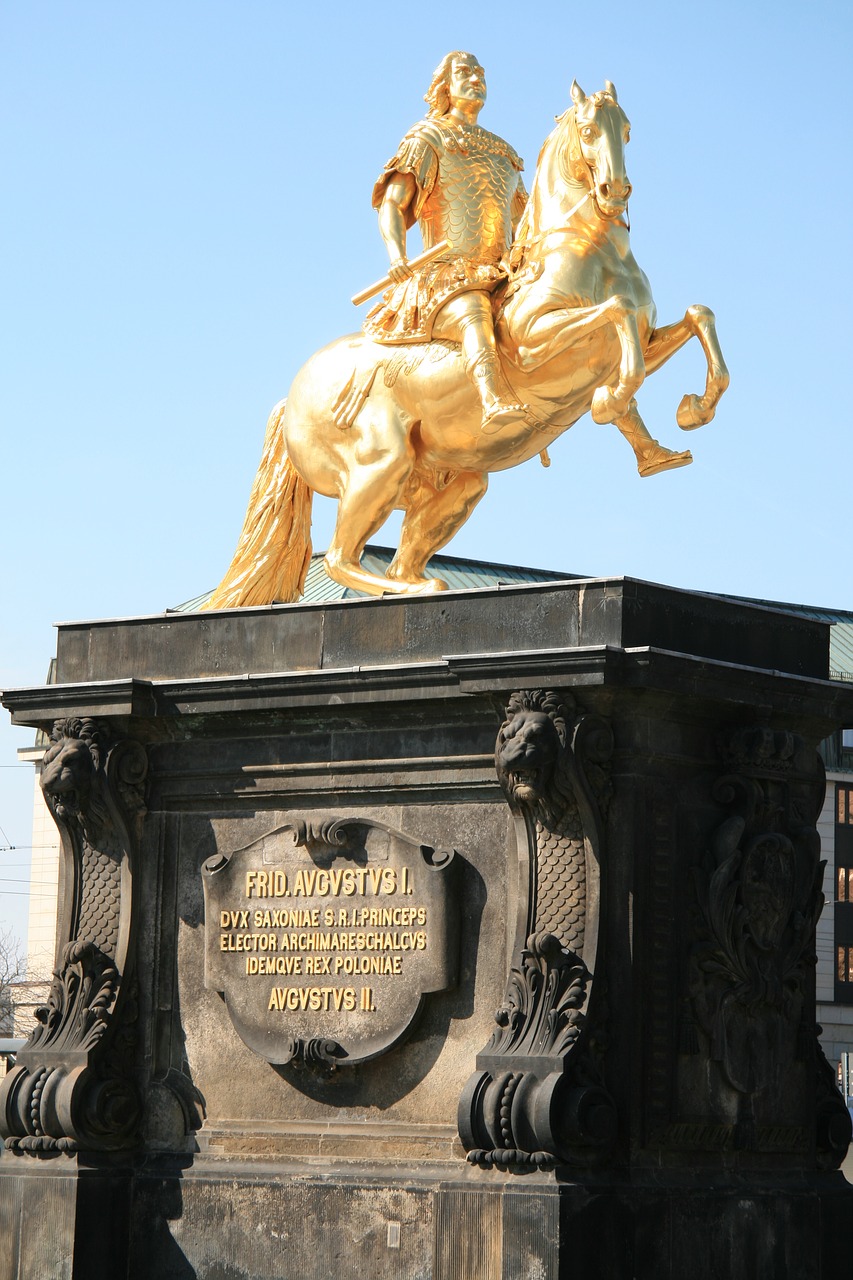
21	893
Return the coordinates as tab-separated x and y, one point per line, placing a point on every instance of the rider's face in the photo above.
467	82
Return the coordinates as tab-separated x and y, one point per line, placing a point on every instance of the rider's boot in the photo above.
475	327
500	409
652	457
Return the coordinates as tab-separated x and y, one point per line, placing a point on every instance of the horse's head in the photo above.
597	130
585	153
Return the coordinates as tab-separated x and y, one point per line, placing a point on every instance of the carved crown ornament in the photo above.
72	1086
537	1097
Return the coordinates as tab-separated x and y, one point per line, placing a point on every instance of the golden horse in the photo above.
383	428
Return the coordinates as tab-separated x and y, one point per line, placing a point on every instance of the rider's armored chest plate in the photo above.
471	201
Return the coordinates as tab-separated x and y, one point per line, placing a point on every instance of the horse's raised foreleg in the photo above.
542	335
372	487
433	515
698	322
611	403
651	455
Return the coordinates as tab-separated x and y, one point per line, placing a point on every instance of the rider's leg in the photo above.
432	518
467	319
651	455
698	322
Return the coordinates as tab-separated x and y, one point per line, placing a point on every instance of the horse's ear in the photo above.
578	95
611	89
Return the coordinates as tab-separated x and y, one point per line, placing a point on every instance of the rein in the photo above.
564	226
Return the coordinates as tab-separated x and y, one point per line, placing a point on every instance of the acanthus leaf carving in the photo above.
78	1005
541	1013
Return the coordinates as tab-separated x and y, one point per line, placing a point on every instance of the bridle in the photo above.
564	227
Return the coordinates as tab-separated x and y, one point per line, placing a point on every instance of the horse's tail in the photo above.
274	550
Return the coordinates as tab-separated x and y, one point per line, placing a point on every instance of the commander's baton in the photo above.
420	261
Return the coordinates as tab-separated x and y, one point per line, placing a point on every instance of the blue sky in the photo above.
187	213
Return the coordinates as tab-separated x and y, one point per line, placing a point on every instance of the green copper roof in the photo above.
458	573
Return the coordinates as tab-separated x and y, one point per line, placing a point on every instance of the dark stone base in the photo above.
60	1220
348	1227
202	1222
638	907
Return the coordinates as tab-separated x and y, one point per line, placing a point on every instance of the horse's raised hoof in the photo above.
663	460
605	407
692	413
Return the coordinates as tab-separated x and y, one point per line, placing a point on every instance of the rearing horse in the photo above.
383	428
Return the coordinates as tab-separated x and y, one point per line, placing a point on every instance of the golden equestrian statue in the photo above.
483	350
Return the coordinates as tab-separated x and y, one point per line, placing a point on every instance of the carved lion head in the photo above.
530	746
70	766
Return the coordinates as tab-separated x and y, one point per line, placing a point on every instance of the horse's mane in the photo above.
571	165
567	159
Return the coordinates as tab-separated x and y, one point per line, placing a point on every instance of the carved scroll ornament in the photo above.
537	1097
71	1087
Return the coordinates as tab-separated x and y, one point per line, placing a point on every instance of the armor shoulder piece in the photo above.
417	154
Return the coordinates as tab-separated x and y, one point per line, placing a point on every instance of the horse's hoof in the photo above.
692	413
663	460
404	585
604	407
430	587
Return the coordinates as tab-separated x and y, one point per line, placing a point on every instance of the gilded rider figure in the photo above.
462	184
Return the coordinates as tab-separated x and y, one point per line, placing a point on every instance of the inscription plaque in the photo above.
325	935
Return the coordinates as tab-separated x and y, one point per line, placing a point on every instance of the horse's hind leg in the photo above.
651	455
433	515
376	479
698	322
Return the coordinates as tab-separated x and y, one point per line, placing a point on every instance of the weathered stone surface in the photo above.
621	612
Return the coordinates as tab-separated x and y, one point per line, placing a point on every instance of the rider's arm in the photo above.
398	197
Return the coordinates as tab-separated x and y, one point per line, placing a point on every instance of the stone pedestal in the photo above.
468	936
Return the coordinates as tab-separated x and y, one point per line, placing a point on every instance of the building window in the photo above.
844	894
845	884
845	964
844	806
